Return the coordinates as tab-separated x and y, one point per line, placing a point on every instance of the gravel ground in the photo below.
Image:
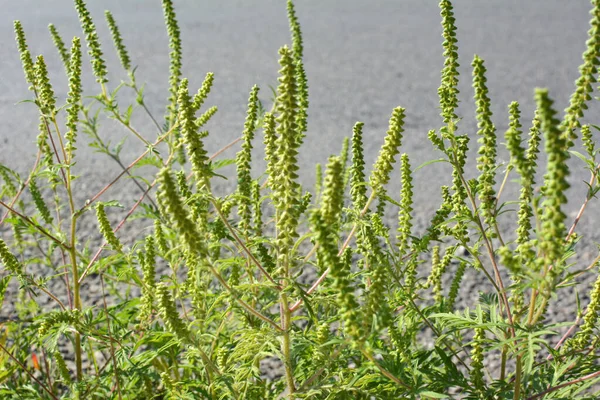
362	60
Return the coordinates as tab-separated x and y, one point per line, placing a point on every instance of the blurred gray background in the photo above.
362	58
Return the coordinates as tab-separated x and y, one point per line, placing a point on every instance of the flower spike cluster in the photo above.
555	181
60	46
243	161
189	130
169	314
270	147
301	81
106	230
205	117
26	59
590	318
448	91
118	41
587	77
406	203
393	139
73	98
203	92
358	188
588	141
93	42
286	188
333	192
9	260
148	264
46	99
486	163
39	202
175	56
178	214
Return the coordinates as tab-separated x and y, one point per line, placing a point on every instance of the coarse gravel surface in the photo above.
362	59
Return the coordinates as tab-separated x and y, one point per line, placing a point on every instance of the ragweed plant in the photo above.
211	286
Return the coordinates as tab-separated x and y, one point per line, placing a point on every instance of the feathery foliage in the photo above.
206	287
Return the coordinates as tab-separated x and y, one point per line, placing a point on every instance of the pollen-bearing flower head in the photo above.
393	139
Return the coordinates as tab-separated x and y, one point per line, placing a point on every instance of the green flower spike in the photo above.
67	317
9	260
527	181
339	271
8	187
184	189
448	91
553	230
168	312
256	203
46	99
93	42
393	139
73	98
318	179
344	160
358	188
118	41
171	202
521	163
534	142
301	81
60	46
203	92
406	202
26	59
159	237
204	118
438	268
148	264
285	185
455	286
61	366
486	163
477	352
106	229
323	221
583	85
175	57
514	138
270	147
243	161
435	267
39	202
588	141
590	319
333	194
195	148
319	351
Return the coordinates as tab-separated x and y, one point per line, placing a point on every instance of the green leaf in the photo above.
430	162
434	395
215	165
